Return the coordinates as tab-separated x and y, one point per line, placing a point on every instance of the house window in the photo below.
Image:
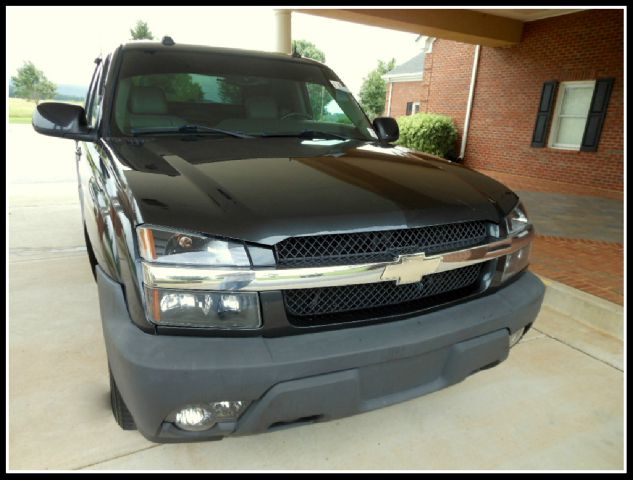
570	114
413	108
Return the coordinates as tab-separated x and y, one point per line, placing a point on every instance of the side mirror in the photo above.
62	120
387	129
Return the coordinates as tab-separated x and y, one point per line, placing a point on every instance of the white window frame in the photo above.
562	89
413	110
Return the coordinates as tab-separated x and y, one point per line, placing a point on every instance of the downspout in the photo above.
389	99
471	95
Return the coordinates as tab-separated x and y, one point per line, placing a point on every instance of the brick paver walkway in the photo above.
594	267
518	182
575	216
579	234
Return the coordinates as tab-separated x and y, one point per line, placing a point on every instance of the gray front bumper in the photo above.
315	376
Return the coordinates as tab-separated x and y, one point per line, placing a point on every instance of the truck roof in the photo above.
158	45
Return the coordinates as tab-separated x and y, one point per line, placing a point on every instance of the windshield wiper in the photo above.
307	134
204	129
195	129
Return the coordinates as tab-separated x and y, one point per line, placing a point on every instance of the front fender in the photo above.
110	219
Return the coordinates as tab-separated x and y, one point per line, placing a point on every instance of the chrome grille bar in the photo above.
406	269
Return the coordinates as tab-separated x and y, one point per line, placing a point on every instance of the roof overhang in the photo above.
528	14
460	25
404	77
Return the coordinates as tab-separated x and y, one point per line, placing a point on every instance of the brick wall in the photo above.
580	46
448	79
402	93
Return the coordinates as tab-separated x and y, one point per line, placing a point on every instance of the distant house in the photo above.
549	107
405	83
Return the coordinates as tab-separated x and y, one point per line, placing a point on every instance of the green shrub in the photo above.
427	132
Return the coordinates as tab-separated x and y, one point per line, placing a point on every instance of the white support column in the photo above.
284	31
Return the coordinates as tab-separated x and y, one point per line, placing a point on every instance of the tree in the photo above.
32	84
308	49
141	31
229	92
374	89
178	87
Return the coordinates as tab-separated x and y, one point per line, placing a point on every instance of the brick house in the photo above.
405	84
550	107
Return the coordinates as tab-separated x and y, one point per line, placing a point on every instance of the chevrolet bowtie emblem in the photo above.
411	268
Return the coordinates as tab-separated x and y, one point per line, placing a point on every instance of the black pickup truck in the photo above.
265	256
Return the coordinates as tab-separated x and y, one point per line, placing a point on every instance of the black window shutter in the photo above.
539	138
597	112
409	107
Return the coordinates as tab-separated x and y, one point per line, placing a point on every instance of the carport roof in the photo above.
488	27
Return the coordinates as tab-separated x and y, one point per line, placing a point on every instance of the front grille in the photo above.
377	246
316	306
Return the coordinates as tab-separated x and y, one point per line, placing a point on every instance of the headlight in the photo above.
186	308
516	262
517	220
162	245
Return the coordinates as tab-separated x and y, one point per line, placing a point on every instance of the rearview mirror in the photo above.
387	129
62	120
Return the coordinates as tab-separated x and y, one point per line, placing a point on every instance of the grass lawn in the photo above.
19	119
21	110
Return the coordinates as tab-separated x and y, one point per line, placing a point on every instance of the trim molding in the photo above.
409	268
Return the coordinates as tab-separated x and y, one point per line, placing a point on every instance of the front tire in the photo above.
121	414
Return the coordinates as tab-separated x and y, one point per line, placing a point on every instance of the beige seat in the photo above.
261	107
147	107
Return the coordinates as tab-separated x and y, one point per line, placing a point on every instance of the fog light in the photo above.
227	410
203	416
516	336
194	418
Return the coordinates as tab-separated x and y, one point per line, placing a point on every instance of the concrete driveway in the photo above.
556	403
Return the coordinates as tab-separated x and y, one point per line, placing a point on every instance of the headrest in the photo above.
147	101
261	107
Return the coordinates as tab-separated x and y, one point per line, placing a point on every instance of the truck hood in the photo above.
266	189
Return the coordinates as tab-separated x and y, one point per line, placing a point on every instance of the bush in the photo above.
427	132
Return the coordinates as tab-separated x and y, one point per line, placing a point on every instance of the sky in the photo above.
64	41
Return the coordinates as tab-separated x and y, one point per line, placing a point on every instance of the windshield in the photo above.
162	91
